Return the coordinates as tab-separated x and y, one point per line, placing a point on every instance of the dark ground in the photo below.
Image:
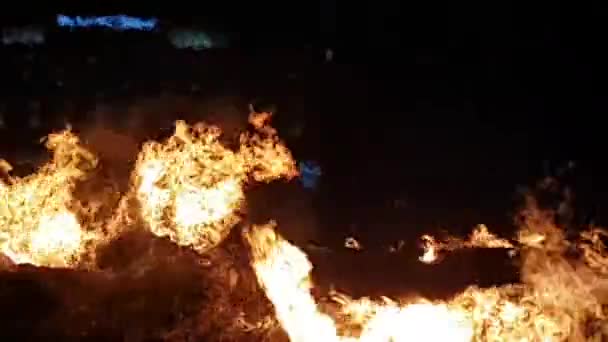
436	134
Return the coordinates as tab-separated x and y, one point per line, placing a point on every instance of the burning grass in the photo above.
171	258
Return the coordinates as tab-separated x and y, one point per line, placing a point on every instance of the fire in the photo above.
479	238
38	215
352	243
559	299
430	250
190	187
284	273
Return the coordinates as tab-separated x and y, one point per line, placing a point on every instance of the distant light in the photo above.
310	172
119	22
329	55
192	39
23	35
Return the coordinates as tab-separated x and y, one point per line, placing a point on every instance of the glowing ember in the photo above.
430	250
352	243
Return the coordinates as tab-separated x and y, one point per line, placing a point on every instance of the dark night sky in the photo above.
506	65
260	22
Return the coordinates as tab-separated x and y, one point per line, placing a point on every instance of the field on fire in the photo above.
184	212
174	256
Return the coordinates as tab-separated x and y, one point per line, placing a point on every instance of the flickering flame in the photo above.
352	243
479	238
190	187
558	300
284	272
38	215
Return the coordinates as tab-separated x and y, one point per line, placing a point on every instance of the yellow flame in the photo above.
479	238
352	243
190	187
558	300
283	271
430	250
38	215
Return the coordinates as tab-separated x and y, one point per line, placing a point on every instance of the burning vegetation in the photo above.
182	223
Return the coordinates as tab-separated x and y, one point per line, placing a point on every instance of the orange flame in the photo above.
191	187
558	300
479	238
38	215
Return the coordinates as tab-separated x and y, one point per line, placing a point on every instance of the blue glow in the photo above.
119	22
310	172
